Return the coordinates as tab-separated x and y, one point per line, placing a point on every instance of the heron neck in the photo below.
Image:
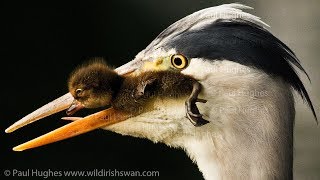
203	155
249	136
218	159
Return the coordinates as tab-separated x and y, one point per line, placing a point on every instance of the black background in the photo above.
41	43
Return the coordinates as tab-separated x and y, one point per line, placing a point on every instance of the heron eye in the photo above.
179	61
78	91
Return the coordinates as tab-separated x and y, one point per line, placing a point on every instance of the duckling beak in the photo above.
86	124
74	107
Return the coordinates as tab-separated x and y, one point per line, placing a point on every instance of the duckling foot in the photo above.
192	111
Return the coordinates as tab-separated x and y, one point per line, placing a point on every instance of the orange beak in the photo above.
82	125
86	124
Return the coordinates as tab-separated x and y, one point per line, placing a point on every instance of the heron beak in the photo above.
86	124
53	107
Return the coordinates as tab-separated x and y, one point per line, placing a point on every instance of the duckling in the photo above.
95	85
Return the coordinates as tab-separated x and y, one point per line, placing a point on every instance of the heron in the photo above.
248	78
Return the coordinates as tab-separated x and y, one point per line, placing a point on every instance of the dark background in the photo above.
41	43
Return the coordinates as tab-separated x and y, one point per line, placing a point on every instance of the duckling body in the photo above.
96	85
135	91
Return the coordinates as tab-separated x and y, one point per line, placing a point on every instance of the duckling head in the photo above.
93	85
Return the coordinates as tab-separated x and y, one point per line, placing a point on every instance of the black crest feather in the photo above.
246	43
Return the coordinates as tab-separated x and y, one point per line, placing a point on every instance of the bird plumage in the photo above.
247	77
231	52
226	32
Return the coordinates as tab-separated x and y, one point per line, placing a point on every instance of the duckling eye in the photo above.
179	61
78	91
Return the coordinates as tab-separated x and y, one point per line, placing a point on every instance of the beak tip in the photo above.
17	148
9	130
55	106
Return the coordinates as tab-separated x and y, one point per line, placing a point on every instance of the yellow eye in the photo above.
179	61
